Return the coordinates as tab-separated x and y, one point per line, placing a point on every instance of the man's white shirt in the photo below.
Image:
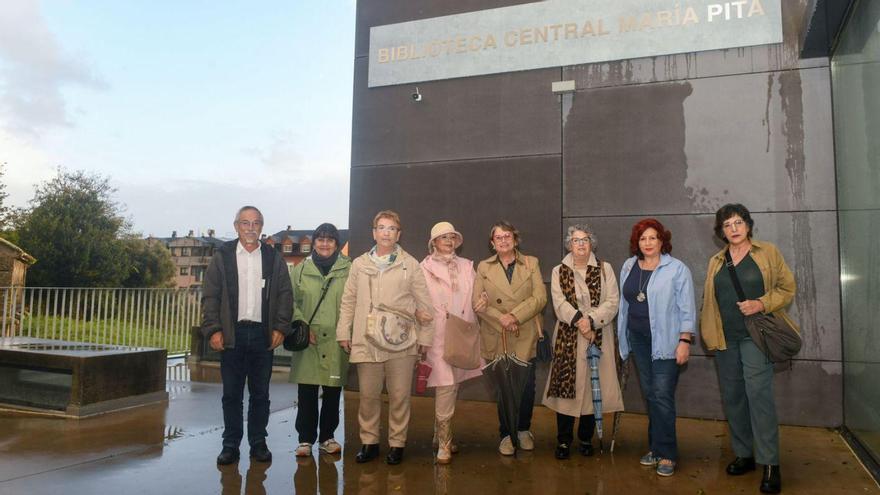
250	282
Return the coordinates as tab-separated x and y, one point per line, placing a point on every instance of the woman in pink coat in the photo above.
450	282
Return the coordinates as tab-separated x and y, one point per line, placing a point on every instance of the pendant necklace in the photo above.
641	295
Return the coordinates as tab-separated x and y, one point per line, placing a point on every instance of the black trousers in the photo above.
308	419
565	428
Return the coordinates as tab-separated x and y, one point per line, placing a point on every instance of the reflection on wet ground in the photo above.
171	448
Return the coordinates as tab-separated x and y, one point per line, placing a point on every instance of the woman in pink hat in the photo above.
450	281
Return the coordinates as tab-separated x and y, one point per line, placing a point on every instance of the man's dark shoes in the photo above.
228	455
367	453
260	453
741	465
771	482
586	449
395	456
562	451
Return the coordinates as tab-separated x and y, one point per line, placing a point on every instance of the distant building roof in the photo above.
215	241
300	234
18	252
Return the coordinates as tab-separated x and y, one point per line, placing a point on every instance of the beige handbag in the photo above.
390	330
461	346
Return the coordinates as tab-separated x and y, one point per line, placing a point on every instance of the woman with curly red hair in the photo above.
656	322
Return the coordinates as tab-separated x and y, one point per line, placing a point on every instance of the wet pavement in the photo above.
171	448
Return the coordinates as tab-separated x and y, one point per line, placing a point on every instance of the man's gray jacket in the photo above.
220	294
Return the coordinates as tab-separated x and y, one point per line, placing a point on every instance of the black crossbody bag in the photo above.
298	339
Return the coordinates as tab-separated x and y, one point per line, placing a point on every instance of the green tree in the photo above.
74	229
9	216
150	264
5	210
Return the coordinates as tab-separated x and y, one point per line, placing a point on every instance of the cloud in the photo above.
281	155
33	70
289	158
25	166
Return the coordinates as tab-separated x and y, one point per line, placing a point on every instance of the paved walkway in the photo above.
171	448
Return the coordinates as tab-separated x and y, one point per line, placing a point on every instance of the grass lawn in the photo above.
173	336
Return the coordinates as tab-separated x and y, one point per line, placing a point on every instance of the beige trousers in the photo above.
396	375
444	402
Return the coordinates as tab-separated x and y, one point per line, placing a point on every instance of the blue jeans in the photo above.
658	379
249	361
746	378
526	407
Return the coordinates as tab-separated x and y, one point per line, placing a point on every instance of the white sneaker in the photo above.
506	446
330	446
303	450
526	440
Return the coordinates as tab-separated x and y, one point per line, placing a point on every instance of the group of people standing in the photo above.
410	304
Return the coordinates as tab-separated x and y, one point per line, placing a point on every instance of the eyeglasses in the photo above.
730	225
247	224
502	237
388	228
447	237
580	241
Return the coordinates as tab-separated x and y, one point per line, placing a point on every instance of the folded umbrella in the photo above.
509	374
623	372
593	356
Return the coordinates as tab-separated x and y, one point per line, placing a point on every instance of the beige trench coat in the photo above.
401	286
603	316
524	297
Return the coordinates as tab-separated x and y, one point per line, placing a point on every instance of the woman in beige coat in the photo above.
510	284
385	296
585	300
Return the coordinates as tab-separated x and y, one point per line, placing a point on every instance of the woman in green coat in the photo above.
323	363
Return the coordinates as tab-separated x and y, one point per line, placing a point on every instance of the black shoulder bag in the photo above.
298	339
772	334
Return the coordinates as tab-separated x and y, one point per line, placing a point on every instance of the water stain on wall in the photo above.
791	93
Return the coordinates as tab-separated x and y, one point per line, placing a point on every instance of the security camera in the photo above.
416	96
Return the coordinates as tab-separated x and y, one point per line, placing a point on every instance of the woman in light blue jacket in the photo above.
656	322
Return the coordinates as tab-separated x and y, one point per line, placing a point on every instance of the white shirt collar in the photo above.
239	248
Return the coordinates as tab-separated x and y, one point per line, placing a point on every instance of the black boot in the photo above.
227	456
586	449
368	453
741	465
562	451
771	482
395	456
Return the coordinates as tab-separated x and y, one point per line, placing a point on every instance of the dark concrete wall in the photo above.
673	137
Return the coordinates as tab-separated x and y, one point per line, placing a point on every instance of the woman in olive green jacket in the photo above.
745	375
323	363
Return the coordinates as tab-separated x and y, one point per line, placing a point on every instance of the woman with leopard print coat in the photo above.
585	300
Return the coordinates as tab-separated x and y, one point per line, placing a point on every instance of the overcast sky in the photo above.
192	108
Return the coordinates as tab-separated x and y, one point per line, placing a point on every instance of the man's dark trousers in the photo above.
249	361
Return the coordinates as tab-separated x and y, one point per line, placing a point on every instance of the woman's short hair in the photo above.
726	212
583	228
638	229
507	227
389	215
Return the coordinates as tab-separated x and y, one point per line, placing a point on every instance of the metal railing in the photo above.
130	317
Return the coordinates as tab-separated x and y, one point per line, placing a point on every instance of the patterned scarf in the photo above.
451	265
384	262
564	369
